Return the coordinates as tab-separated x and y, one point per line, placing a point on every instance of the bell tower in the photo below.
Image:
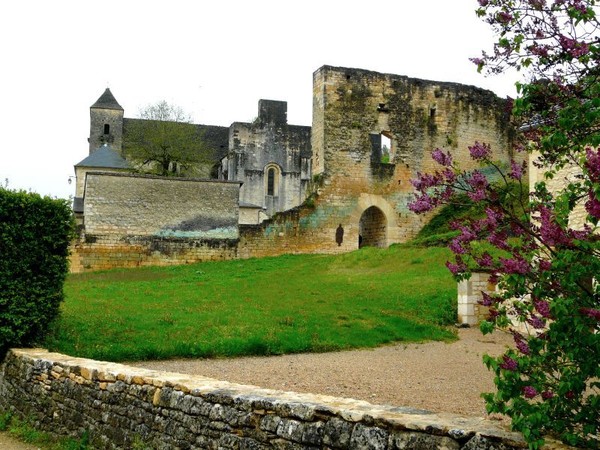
106	123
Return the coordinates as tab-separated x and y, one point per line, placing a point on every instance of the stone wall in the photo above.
564	176
120	405
114	251
137	220
142	205
470	312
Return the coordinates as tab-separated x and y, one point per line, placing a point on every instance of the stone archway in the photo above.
372	228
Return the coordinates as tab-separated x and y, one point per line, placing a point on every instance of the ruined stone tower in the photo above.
373	132
106	123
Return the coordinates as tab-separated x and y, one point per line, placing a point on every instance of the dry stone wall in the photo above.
121	406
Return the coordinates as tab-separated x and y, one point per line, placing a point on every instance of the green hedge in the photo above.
35	233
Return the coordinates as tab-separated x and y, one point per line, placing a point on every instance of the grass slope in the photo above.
287	304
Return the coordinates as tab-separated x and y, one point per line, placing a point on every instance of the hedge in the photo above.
35	233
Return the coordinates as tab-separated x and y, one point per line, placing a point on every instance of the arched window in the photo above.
271	176
271	181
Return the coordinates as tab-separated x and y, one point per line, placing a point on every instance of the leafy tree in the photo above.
546	267
166	142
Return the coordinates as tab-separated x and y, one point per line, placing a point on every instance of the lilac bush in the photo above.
547	268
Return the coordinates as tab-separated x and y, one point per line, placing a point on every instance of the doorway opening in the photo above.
372	228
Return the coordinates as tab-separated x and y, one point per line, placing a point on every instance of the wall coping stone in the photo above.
301	406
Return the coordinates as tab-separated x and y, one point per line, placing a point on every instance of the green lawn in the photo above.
287	304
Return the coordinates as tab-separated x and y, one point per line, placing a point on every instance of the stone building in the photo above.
355	111
334	187
270	157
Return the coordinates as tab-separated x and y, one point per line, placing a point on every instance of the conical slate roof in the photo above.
105	158
107	101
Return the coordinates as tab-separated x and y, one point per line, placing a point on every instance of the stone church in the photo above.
278	188
269	157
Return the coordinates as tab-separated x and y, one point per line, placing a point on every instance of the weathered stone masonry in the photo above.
119	405
134	220
350	183
353	186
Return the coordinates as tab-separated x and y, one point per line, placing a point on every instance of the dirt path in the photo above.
434	376
9	443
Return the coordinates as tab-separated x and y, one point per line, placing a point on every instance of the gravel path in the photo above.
436	376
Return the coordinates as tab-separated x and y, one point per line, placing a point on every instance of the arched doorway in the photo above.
372	228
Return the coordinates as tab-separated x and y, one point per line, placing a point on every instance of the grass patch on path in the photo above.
286	304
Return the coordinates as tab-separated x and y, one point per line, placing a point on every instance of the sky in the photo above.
215	59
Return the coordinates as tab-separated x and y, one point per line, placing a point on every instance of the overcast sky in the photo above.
215	59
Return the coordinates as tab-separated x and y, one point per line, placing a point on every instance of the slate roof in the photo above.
106	158
107	101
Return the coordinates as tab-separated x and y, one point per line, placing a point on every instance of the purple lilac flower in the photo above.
547	395
425	181
486	299
449	174
456	268
477	195
540	50
516	170
480	151
447	194
421	203
574	48
570	395
545	265
479	183
592	205
543	307
504	17
485	260
456	247
498	239
550	231
492	217
445	159
579	6
591	312
536	322
515	265
478	180
483	2
529	392
522	345
592	164
477	61
466	234
508	363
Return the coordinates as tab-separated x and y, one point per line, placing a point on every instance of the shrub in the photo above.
35	233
